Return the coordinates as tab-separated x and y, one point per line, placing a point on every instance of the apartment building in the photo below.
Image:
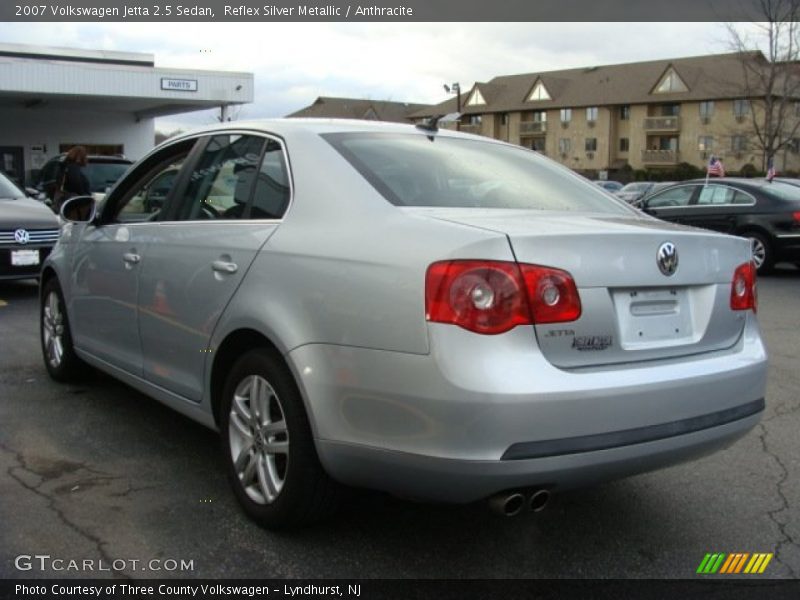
649	115
355	108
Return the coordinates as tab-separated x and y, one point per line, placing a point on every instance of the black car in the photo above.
766	212
102	171
28	231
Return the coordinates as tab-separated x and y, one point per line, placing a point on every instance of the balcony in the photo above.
532	128
471	128
652	124
660	157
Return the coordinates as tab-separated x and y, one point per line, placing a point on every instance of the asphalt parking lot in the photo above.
98	471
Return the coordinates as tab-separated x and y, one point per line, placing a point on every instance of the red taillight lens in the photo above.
493	297
552	294
743	288
796	217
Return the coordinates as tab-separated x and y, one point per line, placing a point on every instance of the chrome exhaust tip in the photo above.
538	500
507	504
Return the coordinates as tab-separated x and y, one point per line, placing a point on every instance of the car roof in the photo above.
283	127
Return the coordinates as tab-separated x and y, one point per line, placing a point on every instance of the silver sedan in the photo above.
437	315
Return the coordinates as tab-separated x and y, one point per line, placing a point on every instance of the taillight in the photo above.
796	217
493	297
743	288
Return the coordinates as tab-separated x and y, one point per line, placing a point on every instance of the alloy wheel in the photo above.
759	252
258	439
53	330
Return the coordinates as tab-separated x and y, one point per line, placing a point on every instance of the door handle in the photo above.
221	266
131	258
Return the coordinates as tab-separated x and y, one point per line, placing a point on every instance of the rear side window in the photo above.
412	170
678	196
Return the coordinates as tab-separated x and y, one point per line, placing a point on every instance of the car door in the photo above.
672	204
200	252
716	207
107	263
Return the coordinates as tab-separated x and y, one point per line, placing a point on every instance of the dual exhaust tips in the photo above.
510	504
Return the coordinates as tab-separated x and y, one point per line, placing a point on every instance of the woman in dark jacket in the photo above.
72	178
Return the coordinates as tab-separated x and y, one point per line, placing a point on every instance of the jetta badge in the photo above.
667	258
21	236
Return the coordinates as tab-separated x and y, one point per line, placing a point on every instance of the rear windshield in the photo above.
104	174
8	189
412	170
787	191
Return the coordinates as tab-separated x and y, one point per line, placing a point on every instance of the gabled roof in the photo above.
707	77
354	108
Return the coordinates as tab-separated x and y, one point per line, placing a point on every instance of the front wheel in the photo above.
59	355
268	445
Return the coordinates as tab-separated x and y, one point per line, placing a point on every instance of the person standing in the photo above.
72	177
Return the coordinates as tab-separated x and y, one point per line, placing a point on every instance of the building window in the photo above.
671	82
705	143
539	92
537	144
540	116
476	98
797	109
706	109
591	145
738	143
566	115
741	108
624	144
474	119
625	112
591	114
564	145
504	119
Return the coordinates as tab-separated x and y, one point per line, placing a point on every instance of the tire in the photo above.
270	458
763	255
56	337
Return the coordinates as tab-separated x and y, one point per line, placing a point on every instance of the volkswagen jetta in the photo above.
433	314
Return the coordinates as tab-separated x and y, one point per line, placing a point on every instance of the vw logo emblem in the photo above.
667	258
21	236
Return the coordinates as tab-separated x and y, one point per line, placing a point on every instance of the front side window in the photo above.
679	196
143	194
220	184
566	115
411	170
591	114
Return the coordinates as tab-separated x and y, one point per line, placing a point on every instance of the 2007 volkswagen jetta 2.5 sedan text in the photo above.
437	315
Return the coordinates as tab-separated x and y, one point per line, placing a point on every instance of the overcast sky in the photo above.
294	63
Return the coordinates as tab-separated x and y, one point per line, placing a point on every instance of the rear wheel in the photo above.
268	446
762	252
59	355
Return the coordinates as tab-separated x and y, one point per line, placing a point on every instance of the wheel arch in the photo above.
235	344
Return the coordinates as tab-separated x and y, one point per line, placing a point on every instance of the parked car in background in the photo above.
102	171
608	185
768	213
635	190
440	316
28	231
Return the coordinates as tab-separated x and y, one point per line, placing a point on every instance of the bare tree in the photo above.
770	49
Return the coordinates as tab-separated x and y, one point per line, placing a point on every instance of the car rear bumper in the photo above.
484	414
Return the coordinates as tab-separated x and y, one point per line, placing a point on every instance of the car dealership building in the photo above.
54	98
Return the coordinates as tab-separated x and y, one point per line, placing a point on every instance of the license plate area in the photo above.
654	317
24	258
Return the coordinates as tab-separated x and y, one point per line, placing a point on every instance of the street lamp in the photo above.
455	88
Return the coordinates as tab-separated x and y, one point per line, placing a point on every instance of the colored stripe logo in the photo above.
738	562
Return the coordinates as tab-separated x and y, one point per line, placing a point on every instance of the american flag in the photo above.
771	172
715	167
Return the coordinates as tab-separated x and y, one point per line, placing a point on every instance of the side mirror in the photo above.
80	209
